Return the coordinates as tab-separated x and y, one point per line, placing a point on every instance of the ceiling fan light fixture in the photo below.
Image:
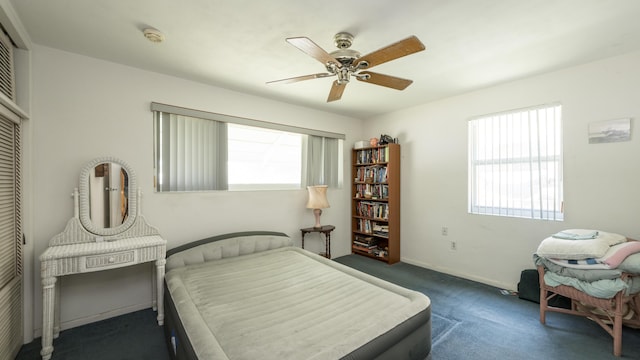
153	35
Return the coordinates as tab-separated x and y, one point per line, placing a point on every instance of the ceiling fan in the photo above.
345	63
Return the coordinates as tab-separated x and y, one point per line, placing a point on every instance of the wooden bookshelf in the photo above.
375	204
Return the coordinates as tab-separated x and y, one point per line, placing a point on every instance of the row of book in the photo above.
372	248
373	209
369	250
372	156
377	191
372	227
381	229
365	243
378	174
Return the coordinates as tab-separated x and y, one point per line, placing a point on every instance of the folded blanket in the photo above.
618	253
603	289
631	264
588	274
611	259
584	264
576	234
555	248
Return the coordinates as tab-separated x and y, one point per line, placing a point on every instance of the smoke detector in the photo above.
153	35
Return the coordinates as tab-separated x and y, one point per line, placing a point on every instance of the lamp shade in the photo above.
317	197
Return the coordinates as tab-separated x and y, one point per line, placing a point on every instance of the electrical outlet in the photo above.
445	231
454	246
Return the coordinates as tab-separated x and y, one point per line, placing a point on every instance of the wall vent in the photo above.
7	76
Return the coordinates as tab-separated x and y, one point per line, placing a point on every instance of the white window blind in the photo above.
323	155
191	153
515	163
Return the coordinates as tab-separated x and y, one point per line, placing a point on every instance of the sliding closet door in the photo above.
10	240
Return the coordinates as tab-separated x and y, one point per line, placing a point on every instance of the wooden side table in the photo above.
326	230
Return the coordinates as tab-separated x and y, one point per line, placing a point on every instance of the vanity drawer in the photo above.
109	260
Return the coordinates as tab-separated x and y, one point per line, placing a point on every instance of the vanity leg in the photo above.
56	310
48	308
160	289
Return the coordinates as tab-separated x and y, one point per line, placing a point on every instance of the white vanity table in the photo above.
111	235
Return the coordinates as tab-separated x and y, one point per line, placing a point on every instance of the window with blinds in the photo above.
515	163
202	151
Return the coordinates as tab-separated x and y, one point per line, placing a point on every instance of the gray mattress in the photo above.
287	303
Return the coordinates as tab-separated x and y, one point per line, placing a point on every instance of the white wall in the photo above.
600	180
84	108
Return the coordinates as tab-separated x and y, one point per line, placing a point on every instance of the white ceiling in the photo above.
240	44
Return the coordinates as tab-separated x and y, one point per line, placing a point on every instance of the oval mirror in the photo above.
107	196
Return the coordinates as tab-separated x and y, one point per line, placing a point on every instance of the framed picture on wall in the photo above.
610	131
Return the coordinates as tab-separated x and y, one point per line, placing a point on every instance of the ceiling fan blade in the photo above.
300	78
312	49
396	50
384	80
336	91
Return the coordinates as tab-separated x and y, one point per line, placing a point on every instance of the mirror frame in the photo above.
84	191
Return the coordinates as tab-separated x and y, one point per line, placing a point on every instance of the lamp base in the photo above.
317	213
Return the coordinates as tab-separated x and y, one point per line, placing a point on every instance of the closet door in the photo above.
11	333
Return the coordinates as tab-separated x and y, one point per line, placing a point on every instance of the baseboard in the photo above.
95	318
453	272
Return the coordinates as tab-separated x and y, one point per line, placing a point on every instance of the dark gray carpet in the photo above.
469	321
475	321
134	336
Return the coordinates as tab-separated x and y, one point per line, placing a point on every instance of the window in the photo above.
269	158
515	163
201	151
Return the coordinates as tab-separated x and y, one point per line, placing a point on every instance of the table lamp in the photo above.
317	201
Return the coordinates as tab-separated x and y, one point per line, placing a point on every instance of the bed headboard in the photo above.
224	246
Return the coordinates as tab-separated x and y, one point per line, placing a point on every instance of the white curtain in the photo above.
196	158
515	163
